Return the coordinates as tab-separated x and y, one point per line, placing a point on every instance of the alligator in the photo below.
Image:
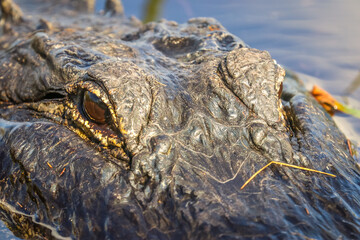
115	129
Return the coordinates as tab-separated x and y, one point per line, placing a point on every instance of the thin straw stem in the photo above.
286	165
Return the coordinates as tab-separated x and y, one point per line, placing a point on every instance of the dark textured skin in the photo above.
195	112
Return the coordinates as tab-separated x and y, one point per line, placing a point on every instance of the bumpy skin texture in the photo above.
194	113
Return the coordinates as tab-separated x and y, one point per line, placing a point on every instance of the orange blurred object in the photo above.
325	99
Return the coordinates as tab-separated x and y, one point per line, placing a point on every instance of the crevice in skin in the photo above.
293	130
31	188
295	133
148	117
53	96
224	73
290	121
152	100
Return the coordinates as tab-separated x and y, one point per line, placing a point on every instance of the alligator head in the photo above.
112	129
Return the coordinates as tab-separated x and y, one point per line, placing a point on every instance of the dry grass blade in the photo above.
286	165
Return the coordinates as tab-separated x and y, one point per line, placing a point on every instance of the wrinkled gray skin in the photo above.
197	113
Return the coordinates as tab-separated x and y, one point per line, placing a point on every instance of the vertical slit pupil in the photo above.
95	109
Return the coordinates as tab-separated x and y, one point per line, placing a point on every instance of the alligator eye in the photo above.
95	109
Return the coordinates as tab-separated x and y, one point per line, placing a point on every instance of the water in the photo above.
5	233
317	39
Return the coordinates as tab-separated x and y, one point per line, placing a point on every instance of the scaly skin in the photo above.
192	113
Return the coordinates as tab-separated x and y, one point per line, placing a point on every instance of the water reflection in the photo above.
5	233
152	10
355	84
146	10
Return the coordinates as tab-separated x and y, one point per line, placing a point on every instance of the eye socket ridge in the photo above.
94	108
